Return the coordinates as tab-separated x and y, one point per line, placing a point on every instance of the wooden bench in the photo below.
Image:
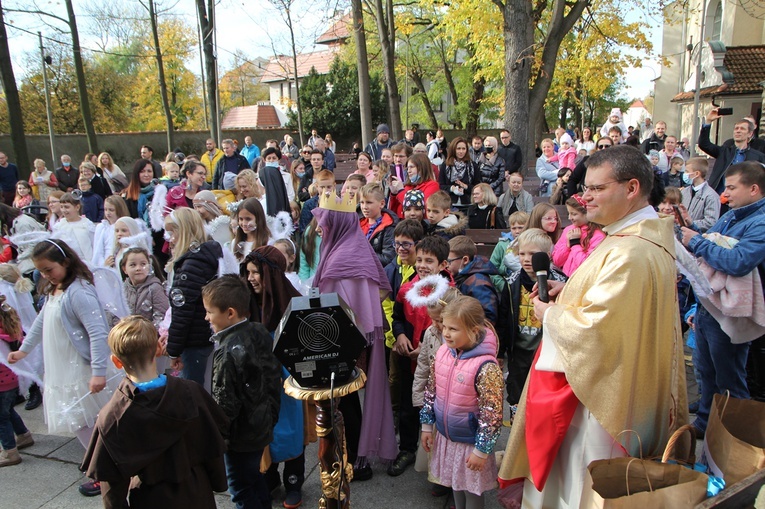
485	240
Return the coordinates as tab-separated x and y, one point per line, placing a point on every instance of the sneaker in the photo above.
362	474
91	488
10	457
403	460
438	490
25	440
293	499
35	398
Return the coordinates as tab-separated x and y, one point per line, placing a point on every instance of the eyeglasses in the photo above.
450	260
306	152
601	147
406	246
598	188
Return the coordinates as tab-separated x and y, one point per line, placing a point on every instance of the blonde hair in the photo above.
110	166
190	229
462	245
672	195
518	216
119	205
447	298
373	190
535	236
469	312
39	163
134	342
489	198
9	272
250	178
440	200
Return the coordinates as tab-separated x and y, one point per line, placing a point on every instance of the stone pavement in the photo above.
48	477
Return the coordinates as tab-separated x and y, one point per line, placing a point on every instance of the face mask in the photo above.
414	179
273	164
300	174
687	179
488	150
67	165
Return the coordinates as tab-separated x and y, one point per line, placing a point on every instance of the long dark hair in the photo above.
451	152
262	233
8	215
58	251
133	190
309	242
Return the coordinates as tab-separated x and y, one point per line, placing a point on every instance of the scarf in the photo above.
459	171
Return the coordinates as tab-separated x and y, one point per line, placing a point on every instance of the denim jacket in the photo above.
84	320
747	225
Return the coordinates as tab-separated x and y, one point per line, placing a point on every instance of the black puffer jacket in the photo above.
191	272
382	238
492	173
246	385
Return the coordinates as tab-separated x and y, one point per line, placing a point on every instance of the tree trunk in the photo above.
206	24
387	32
578	106
161	72
365	99
288	19
417	78
519	53
560	24
472	117
449	79
15	117
82	90
564	111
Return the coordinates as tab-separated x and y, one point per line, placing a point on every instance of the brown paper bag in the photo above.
632	483
734	444
627	483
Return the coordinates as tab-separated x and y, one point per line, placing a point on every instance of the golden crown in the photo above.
342	203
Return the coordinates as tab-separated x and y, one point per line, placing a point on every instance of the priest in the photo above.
611	357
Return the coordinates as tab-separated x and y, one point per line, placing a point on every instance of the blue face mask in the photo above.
687	179
273	164
67	165
300	174
414	179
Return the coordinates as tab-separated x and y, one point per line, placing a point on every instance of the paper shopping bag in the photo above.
632	483
734	444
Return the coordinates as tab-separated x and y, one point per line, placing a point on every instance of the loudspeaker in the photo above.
318	336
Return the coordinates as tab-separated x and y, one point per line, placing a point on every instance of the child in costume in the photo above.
72	327
159	441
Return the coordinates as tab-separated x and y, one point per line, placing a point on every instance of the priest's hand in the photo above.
540	307
688	234
553	289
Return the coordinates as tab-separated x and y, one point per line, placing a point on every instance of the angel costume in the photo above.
611	359
78	234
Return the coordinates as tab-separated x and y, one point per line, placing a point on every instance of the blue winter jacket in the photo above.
747	224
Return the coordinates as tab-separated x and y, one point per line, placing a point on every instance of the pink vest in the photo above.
456	404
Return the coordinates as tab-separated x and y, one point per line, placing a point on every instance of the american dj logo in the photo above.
318	331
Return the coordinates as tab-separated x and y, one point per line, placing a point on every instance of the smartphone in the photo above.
678	215
724	111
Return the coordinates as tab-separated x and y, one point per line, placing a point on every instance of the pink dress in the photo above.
570	258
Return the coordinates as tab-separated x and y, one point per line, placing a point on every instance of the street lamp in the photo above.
47	60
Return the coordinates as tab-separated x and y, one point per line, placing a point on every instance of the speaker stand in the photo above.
332	476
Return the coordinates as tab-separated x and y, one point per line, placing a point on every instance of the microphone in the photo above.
540	263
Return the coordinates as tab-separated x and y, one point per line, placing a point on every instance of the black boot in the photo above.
35	397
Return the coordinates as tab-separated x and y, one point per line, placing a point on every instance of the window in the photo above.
716	27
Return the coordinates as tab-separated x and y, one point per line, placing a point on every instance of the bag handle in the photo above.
627	475
673	440
616	440
727	398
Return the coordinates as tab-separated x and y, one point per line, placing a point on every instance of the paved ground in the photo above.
48	478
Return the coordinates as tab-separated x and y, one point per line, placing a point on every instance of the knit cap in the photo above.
566	138
414	198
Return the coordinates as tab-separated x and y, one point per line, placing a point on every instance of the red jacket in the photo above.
397	200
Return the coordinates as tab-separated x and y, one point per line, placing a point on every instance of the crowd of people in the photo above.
206	252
